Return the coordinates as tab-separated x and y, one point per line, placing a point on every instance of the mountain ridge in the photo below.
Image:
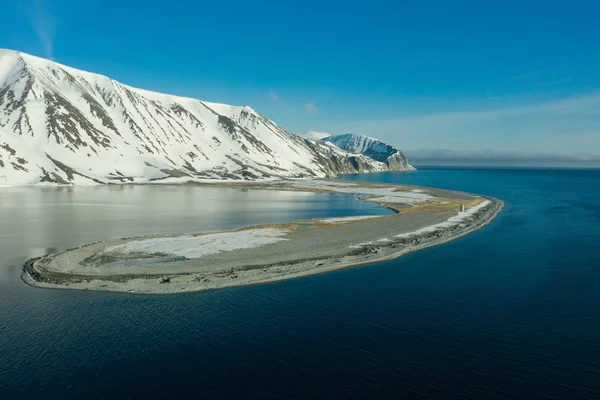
66	126
372	148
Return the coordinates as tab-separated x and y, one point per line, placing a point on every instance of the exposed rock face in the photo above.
62	125
393	158
398	162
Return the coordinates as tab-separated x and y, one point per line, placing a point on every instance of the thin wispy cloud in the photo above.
539	78
42	22
567	126
536	73
579	105
311	108
273	95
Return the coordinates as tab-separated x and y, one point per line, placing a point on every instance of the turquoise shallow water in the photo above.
508	312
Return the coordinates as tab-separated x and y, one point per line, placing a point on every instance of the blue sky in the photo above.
468	76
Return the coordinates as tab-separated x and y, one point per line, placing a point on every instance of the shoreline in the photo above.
423	217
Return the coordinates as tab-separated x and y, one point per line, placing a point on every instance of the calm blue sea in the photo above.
509	312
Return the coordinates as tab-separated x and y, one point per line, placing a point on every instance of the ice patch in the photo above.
386	194
348	219
450	222
189	246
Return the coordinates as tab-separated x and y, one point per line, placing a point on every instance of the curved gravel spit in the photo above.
163	264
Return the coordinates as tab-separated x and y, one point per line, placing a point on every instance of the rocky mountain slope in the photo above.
372	148
62	125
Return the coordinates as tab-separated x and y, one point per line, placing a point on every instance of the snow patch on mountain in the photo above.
372	148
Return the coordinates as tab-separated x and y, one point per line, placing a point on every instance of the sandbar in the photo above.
164	264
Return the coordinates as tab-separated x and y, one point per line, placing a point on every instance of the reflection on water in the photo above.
41	220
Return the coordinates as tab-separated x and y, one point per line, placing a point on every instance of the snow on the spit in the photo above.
408	198
326	185
358	246
189	246
390	195
338	220
377	194
450	222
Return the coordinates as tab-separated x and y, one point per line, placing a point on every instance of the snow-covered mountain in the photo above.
62	125
372	148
